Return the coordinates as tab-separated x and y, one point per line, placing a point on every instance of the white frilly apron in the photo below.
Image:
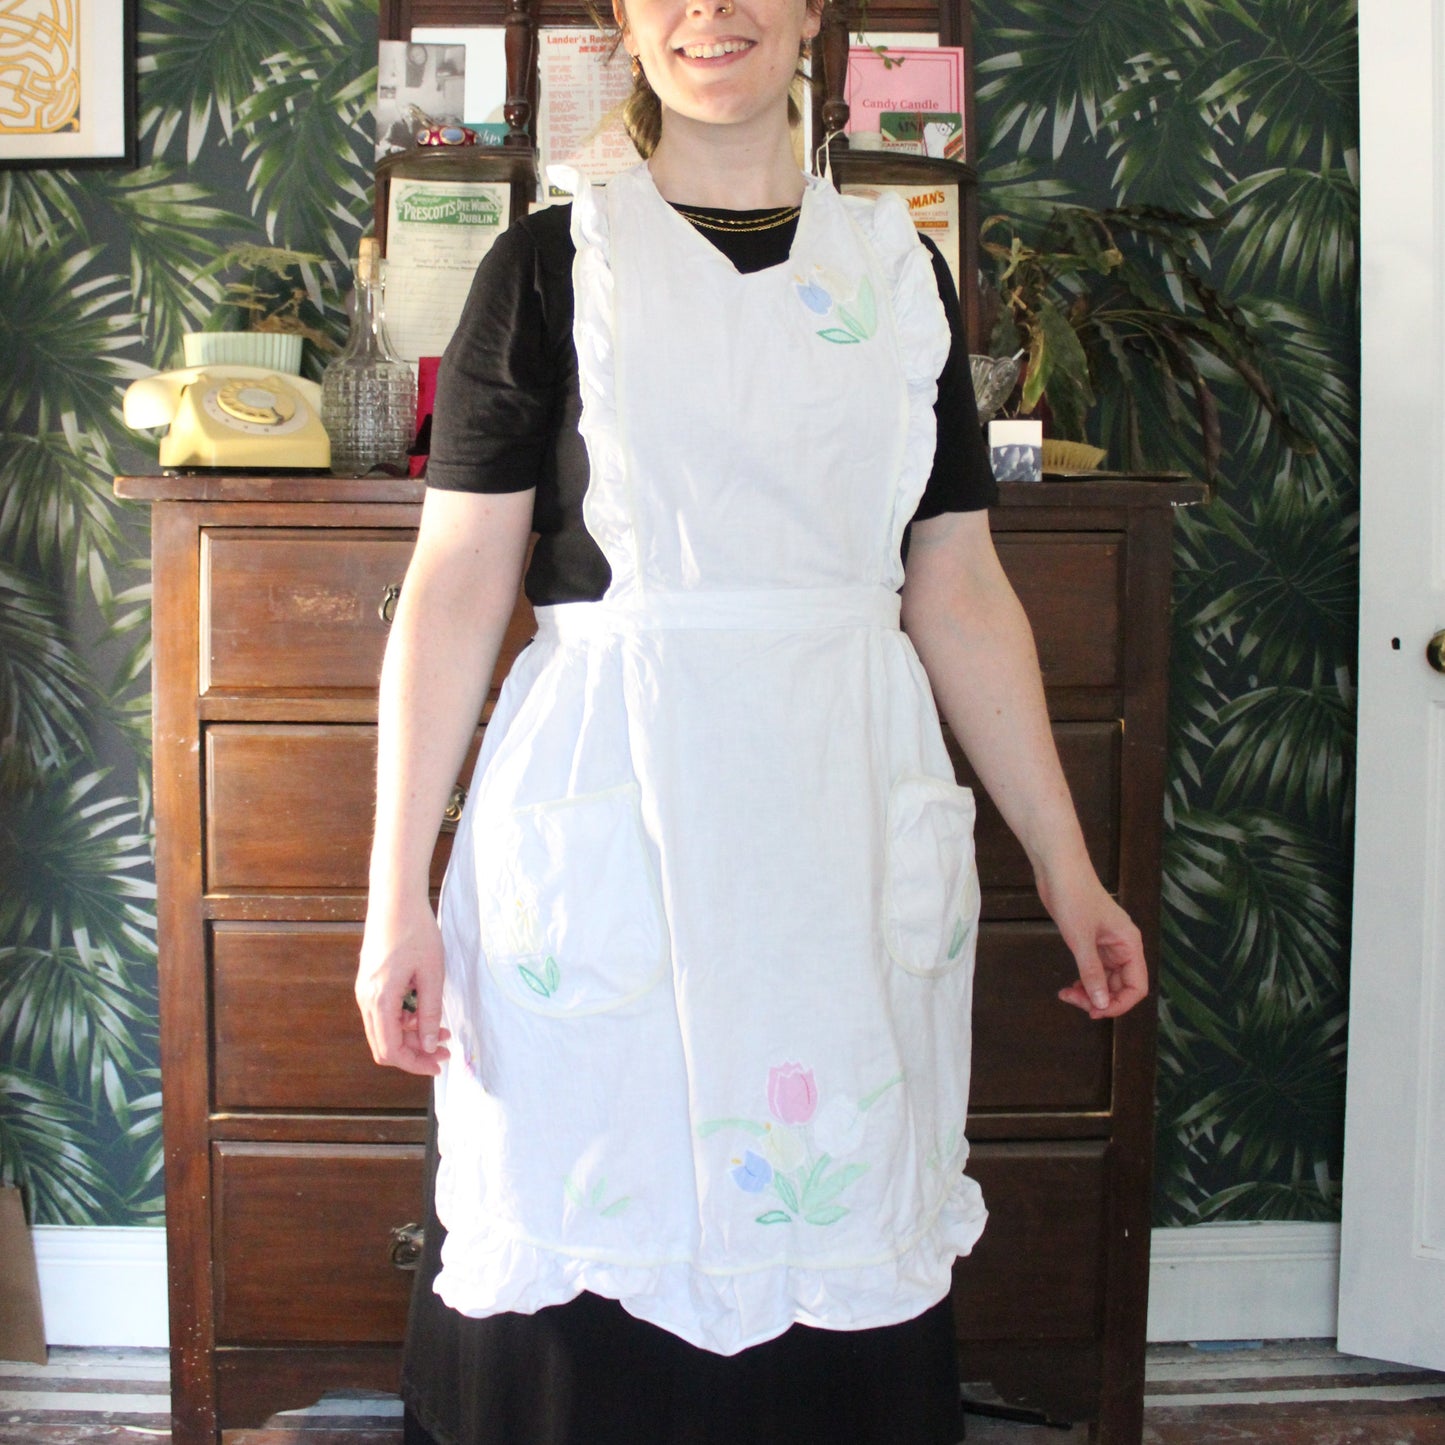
711	912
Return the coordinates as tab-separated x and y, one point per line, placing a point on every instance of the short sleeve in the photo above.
497	385
962	478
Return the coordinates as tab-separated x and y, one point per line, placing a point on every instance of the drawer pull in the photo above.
386	608
452	813
406	1245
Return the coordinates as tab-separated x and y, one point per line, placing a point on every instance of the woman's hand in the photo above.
1106	945
399	989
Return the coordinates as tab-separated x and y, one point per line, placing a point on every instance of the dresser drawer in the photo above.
1037	1272
1071	585
302	1241
1089	753
290	806
286	1032
1031	1053
300	610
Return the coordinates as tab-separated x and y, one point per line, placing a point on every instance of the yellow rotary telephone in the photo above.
232	416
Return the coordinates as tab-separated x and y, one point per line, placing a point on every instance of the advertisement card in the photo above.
584	81
913	78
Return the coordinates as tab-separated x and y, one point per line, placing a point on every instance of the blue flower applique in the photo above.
854	307
754	1174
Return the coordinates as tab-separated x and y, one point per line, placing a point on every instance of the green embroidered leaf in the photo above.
831	1188
960	933
786	1192
867	307
831	1215
711	1126
815	1176
571	1191
774	1216
533	982
551	974
597	1192
868	1100
616	1207
843	338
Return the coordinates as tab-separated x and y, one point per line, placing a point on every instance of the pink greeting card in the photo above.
915	78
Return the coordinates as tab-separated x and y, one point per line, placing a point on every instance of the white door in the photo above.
1392	1263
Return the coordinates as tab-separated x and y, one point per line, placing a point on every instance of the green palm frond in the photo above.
205	58
1286	595
1290	749
1314	363
39	206
174	230
55	503
1055	61
1301	1199
1279	1095
1300	89
145	1192
64	325
45	692
128	628
1257	900
83	1020
1166	141
76	870
1295	230
48	1146
311	160
1022	188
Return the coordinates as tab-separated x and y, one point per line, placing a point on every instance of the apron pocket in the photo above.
570	907
930	890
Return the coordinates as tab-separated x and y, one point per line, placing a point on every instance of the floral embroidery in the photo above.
799	1145
544	979
854	307
591	1200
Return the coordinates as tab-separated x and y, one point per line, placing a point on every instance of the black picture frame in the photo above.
103	51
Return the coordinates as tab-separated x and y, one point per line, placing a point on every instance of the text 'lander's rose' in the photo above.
792	1094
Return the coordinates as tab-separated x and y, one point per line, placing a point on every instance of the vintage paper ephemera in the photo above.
902	78
436	233
579	115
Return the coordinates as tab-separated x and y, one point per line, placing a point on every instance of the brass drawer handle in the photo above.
386	608
1435	652
452	813
406	1245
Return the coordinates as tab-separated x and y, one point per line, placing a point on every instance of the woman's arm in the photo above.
456	601
975	643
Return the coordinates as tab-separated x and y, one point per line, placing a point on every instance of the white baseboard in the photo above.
102	1286
1265	1281
1211	1282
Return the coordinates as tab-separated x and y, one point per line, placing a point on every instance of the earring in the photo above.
636	70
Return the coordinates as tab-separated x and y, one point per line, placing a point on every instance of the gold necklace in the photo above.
769	222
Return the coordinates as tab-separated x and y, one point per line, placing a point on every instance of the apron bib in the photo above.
710	917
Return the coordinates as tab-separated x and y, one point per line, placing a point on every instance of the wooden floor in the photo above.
1281	1393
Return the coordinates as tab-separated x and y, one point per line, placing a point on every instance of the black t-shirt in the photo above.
508	399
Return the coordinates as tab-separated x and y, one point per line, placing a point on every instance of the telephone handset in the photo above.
232	416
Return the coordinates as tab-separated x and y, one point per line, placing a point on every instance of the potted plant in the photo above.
1116	298
267	313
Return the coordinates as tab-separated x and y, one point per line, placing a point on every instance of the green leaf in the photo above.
830	1188
837	334
617	1207
831	1215
748	1126
774	1216
533	982
551	974
785	1190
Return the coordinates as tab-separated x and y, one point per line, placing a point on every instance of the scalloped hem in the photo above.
720	1310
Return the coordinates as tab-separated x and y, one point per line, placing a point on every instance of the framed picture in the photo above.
67	83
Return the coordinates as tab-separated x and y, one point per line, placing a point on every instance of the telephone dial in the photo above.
232	417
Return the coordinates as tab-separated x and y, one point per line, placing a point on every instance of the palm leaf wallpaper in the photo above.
254	119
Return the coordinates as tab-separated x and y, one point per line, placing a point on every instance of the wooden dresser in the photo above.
293	1164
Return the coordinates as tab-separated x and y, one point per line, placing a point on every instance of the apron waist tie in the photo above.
746	609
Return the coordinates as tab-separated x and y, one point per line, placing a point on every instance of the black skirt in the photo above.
588	1373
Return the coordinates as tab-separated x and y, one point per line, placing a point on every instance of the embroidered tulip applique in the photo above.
792	1163
823	293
